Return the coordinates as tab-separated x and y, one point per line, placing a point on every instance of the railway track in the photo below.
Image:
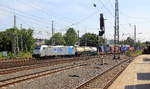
115	76
42	64
93	81
28	77
18	79
29	59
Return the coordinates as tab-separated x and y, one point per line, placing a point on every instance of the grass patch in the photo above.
1	56
133	53
24	55
19	55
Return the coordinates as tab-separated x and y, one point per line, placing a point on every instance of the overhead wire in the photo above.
39	18
37	32
104	6
111	14
84	19
45	12
36	23
128	16
80	21
30	17
75	23
41	9
109	9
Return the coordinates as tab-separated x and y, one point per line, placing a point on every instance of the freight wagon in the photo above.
52	51
84	50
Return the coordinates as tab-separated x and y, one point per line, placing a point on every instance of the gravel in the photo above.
68	79
101	81
27	62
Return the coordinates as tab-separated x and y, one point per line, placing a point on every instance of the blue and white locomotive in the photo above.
52	51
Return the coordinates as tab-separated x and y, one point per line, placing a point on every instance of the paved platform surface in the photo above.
135	76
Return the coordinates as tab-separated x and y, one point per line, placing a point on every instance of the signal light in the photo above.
101	33
102	22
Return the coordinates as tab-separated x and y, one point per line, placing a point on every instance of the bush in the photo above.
128	53
19	55
138	52
133	53
24	55
1	56
11	55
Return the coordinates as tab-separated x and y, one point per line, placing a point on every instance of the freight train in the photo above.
53	51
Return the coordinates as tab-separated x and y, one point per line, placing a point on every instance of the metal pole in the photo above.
14	21
114	43
14	42
52	28
116	31
17	43
53	40
21	38
16	35
78	34
134	33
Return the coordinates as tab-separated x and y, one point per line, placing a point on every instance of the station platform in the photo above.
135	76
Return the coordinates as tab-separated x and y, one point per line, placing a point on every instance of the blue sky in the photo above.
80	14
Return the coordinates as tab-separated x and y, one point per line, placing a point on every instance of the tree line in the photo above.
71	38
21	40
15	40
130	41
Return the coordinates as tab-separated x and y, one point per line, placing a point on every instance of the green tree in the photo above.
26	38
128	41
70	37
56	39
139	44
5	42
90	39
14	39
12	34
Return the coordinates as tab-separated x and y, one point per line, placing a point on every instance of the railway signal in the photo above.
101	33
102	25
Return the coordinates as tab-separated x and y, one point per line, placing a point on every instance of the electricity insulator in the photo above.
94	5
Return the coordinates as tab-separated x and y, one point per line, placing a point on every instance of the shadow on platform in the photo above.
146	59
140	86
143	76
143	63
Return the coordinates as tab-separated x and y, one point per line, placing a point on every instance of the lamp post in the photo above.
134	32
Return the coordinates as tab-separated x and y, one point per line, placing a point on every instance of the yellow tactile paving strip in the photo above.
135	76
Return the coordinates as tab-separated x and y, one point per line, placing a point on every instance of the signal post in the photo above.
101	33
